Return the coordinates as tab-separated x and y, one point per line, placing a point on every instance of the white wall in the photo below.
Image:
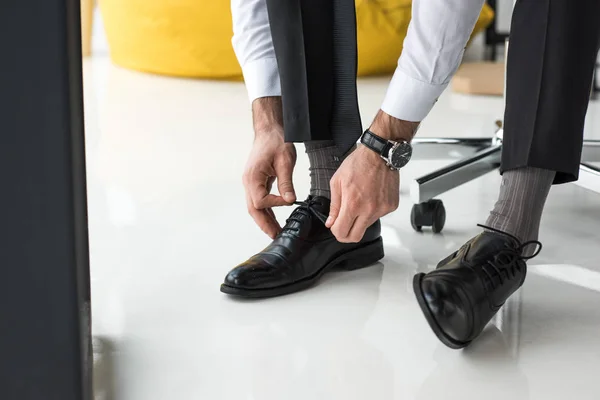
99	43
504	13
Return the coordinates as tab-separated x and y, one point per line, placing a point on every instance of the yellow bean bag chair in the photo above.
192	38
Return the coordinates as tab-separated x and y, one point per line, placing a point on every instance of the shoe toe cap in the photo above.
257	273
449	306
237	277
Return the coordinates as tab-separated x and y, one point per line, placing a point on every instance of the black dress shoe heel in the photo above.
430	318
362	257
467	289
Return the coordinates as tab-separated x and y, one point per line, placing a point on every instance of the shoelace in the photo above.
508	259
304	208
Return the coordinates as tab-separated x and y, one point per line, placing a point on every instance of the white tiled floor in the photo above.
167	221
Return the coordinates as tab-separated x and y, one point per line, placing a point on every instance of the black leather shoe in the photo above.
467	288
301	254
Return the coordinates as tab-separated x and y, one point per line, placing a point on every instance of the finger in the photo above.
261	198
343	224
270	201
271	213
274	199
265	220
335	204
285	185
359	228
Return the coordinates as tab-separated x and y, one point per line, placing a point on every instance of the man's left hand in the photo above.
363	190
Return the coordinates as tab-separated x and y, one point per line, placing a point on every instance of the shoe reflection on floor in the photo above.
322	355
488	368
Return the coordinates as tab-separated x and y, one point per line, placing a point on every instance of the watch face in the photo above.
401	155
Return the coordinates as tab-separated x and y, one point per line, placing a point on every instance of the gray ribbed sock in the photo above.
519	208
324	161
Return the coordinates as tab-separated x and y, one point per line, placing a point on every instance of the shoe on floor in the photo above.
467	288
301	254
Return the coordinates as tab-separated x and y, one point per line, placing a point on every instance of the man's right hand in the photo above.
271	159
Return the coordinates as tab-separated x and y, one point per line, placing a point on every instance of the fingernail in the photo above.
289	196
329	221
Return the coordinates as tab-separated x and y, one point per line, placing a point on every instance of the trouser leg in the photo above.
552	53
315	46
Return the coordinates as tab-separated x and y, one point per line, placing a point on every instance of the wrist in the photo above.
372	158
390	128
267	116
270	132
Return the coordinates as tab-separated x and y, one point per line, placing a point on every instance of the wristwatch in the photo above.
395	154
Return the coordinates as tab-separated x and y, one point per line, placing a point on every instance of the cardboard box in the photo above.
484	78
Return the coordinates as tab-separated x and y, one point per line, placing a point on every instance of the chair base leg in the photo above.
437	182
589	177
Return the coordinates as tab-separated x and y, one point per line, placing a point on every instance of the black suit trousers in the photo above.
315	46
552	56
551	61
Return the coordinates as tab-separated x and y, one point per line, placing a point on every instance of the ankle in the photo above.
324	161
521	201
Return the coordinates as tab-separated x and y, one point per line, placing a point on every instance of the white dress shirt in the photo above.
433	49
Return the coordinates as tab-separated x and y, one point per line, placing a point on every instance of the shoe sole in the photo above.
361	257
439	332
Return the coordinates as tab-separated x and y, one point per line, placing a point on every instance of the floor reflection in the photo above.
166	224
571	274
489	368
104	369
317	351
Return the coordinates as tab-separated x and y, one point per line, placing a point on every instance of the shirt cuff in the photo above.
410	99
262	78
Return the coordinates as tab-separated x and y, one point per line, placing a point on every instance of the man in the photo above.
299	63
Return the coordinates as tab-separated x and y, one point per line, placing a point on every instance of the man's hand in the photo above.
364	189
270	159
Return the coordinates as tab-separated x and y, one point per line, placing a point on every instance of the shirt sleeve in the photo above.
433	49
253	46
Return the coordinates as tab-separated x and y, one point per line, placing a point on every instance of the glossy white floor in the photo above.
167	221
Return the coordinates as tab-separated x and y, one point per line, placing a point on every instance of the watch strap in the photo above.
376	143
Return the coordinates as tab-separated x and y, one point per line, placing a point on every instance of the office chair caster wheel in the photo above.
430	213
